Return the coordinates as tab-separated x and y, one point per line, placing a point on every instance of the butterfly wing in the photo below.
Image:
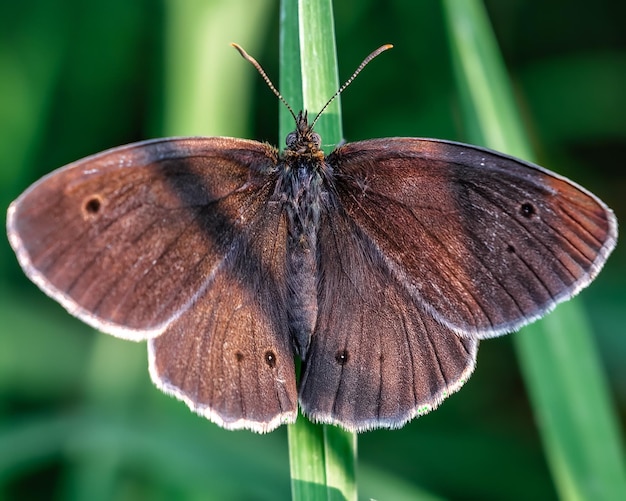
376	358
428	247
162	238
486	243
237	367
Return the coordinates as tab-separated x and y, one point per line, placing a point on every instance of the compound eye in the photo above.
291	139
316	139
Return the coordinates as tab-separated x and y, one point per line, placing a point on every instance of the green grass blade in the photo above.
320	77
558	357
307	460
207	85
341	454
290	84
322	458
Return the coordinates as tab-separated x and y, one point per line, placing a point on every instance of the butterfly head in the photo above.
303	140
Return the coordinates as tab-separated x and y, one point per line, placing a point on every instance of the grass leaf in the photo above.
322	458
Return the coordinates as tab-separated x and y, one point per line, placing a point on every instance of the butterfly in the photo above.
380	265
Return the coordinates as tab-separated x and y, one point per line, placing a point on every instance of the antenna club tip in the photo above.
388	46
239	49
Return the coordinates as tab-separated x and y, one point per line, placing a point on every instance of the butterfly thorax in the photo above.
301	187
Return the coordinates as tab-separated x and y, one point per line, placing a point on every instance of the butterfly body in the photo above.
302	188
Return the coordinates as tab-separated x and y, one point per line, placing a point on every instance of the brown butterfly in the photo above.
380	265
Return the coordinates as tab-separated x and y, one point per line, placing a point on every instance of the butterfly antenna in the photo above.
377	52
269	83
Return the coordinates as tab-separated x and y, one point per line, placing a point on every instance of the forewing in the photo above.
484	241
376	358
125	239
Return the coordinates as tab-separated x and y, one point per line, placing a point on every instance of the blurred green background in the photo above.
79	418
